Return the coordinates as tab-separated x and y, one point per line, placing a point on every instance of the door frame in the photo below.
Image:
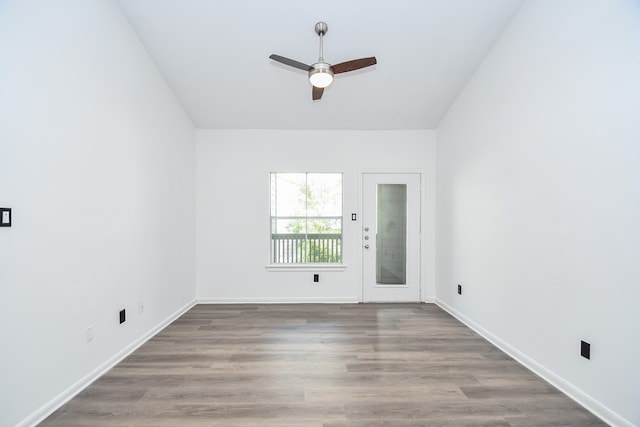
421	275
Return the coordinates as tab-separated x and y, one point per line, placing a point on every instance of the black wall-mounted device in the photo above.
585	349
5	217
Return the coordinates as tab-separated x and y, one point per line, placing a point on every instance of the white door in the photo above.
391	237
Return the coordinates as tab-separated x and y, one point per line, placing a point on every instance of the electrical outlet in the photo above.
585	349
123	316
316	278
141	307
89	333
459	289
5	217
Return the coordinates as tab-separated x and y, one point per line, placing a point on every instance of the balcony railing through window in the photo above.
297	248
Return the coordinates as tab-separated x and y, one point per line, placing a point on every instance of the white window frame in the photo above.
309	266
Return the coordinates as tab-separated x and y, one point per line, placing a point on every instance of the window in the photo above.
306	218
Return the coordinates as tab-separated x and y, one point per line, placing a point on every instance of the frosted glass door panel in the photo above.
391	234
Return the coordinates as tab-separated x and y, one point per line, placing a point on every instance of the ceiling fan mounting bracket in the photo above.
321	28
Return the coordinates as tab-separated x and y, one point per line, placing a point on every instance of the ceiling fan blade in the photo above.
290	62
356	64
316	93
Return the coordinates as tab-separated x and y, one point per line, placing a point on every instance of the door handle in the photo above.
366	246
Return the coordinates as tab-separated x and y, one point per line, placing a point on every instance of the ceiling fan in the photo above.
321	73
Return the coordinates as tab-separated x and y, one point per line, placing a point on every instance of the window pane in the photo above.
288	226
324	194
324	248
324	226
288	248
272	194
288	194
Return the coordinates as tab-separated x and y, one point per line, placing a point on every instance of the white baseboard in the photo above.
303	300
73	390
557	381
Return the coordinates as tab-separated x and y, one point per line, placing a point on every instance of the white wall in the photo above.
538	201
233	207
97	162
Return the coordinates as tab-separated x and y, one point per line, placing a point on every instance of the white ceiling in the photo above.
215	56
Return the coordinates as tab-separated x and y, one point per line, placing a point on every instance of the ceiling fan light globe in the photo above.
321	75
321	80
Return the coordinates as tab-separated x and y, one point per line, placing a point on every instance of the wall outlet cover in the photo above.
89	333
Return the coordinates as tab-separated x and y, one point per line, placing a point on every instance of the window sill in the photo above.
306	267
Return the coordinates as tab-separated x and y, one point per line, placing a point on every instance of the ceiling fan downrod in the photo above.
321	30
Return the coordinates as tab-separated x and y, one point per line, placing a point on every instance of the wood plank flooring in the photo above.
319	365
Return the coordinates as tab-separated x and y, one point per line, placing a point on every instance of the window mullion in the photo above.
306	218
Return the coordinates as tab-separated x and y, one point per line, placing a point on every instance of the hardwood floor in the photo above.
319	365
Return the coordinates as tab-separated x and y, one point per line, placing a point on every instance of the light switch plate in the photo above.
5	217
